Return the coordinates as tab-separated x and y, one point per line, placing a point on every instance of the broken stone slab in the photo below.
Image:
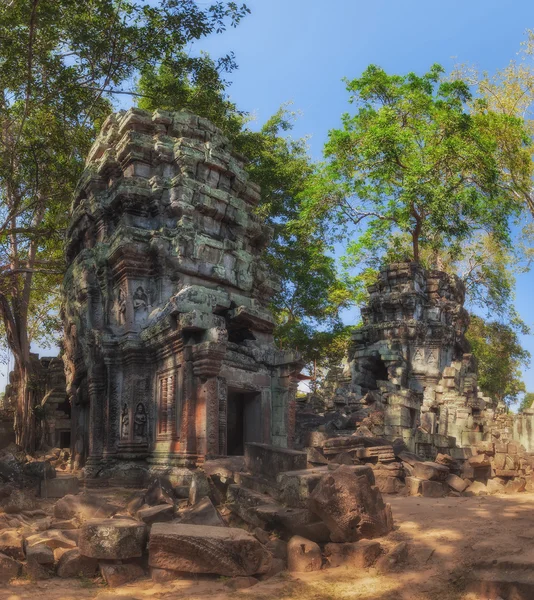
12	543
73	564
59	487
360	554
456	483
303	555
39	469
477	488
160	491
315	457
514	486
350	507
9	568
83	507
431	471
116	575
244	503
204	549
156	514
433	489
388	484
397	556
409	457
495	485
41	554
203	513
413	486
52	538
267	461
199	488
295	487
479	460
114	539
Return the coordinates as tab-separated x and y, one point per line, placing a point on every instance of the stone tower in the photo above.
169	351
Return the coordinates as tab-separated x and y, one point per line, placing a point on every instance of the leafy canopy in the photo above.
415	160
500	357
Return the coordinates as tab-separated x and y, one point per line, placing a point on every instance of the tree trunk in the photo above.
24	414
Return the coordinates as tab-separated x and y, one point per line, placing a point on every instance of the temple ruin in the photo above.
169	352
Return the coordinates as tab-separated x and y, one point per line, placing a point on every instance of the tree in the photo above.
416	160
62	63
500	357
527	402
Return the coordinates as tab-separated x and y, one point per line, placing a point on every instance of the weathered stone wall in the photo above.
169	351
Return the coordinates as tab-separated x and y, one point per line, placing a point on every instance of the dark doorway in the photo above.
243	420
64	439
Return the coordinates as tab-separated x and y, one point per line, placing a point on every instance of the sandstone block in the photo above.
114	539
268	461
397	556
156	514
499	460
515	486
303	555
120	574
350	507
160	491
203	513
433	489
477	488
431	471
456	483
495	485
40	553
52	538
360	554
74	564
163	575
83	507
59	487
12	544
204	549
479	460
413	486
9	568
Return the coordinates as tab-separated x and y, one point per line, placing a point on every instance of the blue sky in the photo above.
300	50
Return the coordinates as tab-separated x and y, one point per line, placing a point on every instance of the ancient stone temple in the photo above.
169	350
409	371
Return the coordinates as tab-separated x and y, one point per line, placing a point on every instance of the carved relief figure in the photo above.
125	423
140	423
140	304
121	305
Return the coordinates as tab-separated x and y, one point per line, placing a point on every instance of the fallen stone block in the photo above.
204	549
315	457
156	514
12	544
431	471
480	460
350	507
495	485
413	486
83	507
59	487
73	564
39	469
387	484
360	554
9	568
52	538
393	559
160	491
40	553
268	461
116	575
303	555
163	575
433	489
203	513
477	488
515	486
114	539
456	483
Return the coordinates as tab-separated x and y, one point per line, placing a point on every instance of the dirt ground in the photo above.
446	536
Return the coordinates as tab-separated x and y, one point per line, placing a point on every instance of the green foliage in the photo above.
526	402
416	161
500	357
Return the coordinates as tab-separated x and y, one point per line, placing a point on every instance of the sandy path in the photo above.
446	536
